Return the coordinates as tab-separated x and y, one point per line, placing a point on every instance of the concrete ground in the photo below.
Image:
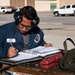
56	33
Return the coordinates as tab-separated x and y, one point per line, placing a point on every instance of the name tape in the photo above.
12	40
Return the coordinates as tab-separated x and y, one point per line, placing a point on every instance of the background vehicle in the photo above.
65	10
12	9
5	10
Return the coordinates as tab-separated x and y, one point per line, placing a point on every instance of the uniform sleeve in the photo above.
42	39
3	52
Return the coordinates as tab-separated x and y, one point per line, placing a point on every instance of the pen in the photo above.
11	44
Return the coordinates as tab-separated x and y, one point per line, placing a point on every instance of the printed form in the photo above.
35	52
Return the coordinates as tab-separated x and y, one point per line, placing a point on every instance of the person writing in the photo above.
21	34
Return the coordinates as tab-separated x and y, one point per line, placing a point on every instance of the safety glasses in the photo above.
23	26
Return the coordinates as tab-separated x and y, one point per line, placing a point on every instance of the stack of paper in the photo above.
42	51
35	52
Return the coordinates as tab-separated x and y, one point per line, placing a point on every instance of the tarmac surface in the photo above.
57	33
54	32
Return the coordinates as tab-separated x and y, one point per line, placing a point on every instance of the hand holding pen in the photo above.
12	51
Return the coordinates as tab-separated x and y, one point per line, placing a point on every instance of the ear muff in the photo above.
18	17
35	21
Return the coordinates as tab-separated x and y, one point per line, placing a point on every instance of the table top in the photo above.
35	69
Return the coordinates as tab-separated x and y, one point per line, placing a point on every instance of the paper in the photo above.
23	56
35	52
42	50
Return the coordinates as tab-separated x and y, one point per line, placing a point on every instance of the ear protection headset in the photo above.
18	17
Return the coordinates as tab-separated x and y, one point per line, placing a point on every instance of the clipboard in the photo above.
24	57
14	63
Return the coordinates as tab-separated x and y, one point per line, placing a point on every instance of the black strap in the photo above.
65	44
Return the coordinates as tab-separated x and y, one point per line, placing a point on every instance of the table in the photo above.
35	69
